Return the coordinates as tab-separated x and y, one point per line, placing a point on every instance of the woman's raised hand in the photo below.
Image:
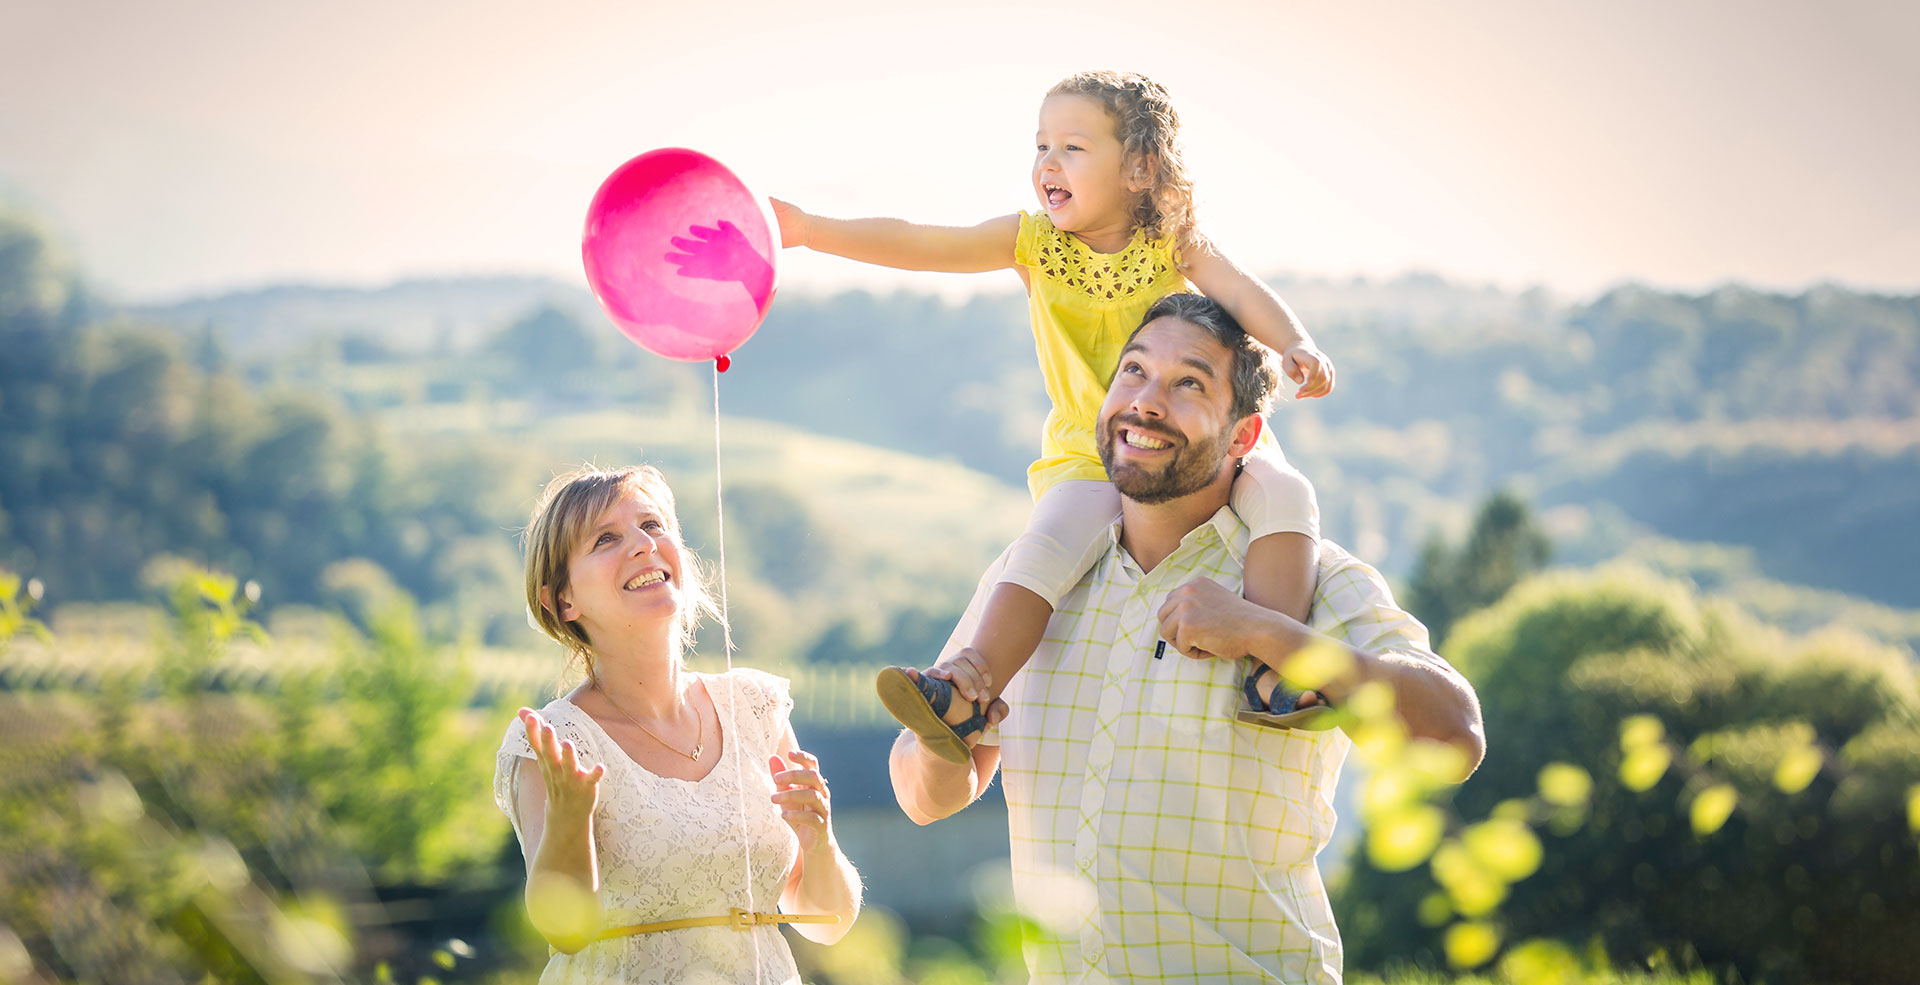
801	794
571	790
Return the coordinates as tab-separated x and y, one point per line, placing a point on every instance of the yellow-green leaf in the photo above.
1541	962
1640	731
1513	809
1506	849
1319	663
1380	740
1472	889
1371	701
1564	784
1435	910
1711	808
1470	945
1797	769
1402	839
1913	808
1387	791
1644	766
1437	762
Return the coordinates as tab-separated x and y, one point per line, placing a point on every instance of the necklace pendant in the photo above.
696	750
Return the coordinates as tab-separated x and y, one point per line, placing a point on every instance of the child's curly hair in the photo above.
1149	132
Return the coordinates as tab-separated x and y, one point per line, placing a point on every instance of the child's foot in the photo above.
1271	704
924	703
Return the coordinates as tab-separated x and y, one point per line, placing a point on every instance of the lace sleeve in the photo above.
515	753
506	768
765	700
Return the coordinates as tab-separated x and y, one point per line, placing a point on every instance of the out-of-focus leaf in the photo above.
1711	808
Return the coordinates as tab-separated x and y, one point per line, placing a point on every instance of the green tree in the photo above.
1503	547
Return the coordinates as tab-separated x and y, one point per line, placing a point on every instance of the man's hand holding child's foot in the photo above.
939	706
967	671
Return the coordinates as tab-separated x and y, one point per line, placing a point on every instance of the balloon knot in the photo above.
722	363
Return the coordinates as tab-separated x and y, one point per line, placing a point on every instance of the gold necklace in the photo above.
700	723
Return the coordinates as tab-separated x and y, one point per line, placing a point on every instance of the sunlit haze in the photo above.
176	149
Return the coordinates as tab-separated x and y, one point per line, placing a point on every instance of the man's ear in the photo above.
1246	434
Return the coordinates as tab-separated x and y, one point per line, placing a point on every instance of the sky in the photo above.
176	149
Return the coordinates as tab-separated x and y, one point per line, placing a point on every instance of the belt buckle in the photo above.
739	919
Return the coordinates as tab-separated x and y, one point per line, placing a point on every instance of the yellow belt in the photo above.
735	917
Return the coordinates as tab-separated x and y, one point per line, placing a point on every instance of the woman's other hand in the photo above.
801	794
572	791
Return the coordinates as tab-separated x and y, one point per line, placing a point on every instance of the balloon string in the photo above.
726	636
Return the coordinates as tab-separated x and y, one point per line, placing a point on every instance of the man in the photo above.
1153	836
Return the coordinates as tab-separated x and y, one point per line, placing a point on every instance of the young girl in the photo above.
1115	233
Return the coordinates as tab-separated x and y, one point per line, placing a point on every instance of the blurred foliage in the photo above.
18	596
1650	759
166	824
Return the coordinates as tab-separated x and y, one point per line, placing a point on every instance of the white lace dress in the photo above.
672	848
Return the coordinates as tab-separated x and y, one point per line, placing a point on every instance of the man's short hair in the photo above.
1254	376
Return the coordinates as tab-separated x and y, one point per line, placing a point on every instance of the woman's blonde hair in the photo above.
568	508
1149	132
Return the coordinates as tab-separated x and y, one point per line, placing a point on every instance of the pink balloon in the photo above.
681	255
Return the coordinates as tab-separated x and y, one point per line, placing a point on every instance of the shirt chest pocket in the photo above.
1186	696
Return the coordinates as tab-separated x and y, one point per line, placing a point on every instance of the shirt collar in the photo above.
1224	524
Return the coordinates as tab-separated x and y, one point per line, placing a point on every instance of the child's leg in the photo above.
1065	535
1277	504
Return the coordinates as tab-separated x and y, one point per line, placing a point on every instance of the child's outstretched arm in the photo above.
903	244
1261	312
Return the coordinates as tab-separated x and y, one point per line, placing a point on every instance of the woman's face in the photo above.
623	574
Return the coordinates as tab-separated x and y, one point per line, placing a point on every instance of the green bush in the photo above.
1751	797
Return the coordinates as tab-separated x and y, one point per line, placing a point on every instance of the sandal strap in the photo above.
939	695
1252	689
1286	698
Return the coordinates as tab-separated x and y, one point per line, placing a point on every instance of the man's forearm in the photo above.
930	788
1433	701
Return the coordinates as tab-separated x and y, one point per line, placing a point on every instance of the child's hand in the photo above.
801	794
967	671
1310	368
795	225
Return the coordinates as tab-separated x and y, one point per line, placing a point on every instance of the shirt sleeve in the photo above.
1352	603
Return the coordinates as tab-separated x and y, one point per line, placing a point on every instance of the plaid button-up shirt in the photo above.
1154	838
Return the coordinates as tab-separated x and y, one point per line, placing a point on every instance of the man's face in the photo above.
1166	429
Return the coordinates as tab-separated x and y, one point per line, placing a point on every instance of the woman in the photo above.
654	791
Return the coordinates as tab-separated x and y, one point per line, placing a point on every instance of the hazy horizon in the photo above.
199	150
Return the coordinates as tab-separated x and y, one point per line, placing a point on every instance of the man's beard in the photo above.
1193	467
